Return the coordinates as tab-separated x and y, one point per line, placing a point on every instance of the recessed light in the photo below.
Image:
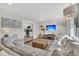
9	3
41	11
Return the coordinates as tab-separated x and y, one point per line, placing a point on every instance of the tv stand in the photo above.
49	36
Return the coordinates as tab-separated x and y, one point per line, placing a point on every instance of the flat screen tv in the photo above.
50	27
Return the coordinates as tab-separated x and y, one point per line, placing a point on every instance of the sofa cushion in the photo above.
3	53
8	43
21	52
66	48
8	50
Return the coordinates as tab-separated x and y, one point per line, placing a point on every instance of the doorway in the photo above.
28	29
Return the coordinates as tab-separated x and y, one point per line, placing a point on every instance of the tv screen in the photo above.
50	27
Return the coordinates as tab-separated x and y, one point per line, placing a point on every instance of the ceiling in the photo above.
37	11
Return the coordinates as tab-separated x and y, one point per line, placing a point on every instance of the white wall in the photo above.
19	32
36	30
49	22
7	14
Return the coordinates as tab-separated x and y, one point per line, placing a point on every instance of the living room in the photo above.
36	29
6	11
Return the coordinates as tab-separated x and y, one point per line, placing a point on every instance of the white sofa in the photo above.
14	44
67	49
7	52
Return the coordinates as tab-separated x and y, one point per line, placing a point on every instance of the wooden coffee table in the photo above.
40	43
